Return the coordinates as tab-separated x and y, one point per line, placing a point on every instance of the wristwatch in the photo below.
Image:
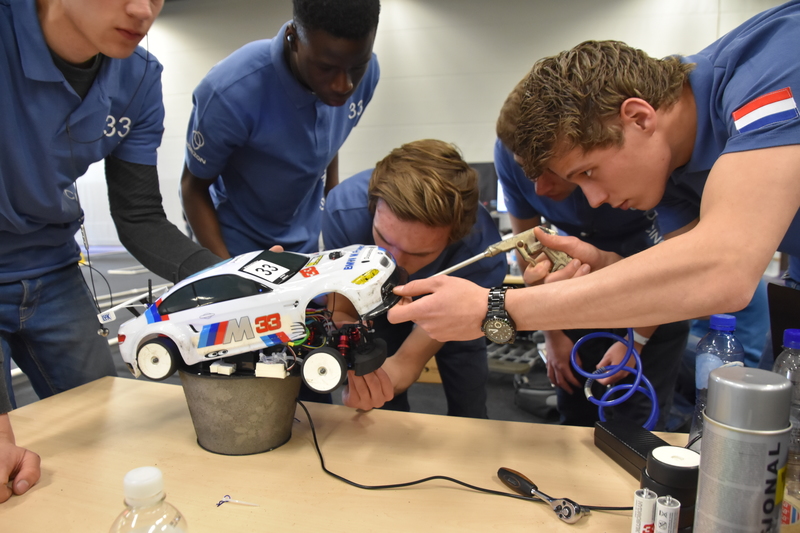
498	326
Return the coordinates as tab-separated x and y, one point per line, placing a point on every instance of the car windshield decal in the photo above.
275	267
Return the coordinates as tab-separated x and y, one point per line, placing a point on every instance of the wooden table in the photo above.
91	436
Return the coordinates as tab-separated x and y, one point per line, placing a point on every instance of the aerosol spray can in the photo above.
745	444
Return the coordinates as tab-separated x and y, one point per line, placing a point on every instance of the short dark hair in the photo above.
346	19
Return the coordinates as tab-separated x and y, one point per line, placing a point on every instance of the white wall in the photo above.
447	66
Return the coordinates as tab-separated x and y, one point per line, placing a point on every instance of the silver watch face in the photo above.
498	330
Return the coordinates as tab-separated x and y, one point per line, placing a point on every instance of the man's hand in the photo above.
559	371
540	272
453	310
585	259
614	356
369	391
583	252
396	375
16	463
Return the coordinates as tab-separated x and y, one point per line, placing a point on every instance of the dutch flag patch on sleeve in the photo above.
769	108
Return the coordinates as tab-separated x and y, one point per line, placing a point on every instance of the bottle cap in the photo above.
749	398
143	486
791	338
723	322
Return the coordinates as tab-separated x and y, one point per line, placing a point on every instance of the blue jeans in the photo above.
49	328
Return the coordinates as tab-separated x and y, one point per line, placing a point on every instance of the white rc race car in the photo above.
253	309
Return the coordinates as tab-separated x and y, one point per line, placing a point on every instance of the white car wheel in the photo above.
324	370
158	358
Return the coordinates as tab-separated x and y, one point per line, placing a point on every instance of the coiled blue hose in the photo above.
605	372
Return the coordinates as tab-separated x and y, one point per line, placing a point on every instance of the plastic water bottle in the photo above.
146	511
788	365
717	347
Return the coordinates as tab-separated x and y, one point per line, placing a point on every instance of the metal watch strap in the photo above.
497	300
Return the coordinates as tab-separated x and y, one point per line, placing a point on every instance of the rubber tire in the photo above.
158	358
333	366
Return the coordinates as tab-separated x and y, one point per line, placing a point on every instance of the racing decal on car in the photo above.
367	257
314	261
268	323
265	270
351	259
366	276
309	271
152	313
226	332
278	338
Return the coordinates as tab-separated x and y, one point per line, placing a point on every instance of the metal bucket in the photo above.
240	415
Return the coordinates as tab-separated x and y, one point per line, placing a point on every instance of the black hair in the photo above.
346	19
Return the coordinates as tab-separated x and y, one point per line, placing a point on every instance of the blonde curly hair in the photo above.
573	99
427	181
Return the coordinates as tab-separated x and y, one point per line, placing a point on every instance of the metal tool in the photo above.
526	244
566	509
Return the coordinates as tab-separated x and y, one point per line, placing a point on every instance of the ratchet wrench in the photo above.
566	509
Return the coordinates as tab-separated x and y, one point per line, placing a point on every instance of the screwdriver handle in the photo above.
517	482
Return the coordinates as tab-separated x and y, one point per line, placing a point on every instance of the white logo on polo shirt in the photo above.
121	127
356	109
197	140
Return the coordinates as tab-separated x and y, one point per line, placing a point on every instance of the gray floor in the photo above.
424	397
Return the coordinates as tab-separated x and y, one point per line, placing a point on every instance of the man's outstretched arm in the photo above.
142	225
713	268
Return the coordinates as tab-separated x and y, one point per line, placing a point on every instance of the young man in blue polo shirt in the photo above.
623	232
716	136
76	90
267	125
421	204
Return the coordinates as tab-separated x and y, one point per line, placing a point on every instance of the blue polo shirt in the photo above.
612	230
754	60
122	115
267	141
347	220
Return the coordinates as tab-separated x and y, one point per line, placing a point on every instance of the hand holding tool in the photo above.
526	244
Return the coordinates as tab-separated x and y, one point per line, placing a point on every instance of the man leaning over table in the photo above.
421	204
625	232
711	138
76	89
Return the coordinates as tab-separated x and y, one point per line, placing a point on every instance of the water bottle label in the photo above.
705	363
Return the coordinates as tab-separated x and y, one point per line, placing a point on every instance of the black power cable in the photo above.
431	478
